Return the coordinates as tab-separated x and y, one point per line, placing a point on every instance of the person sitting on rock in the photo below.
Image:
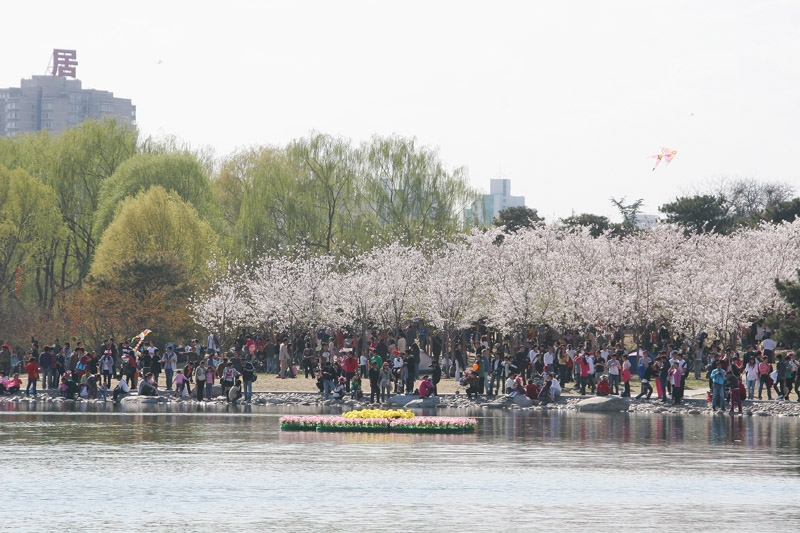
603	388
425	387
340	390
555	387
147	387
121	388
510	384
14	383
544	394
532	390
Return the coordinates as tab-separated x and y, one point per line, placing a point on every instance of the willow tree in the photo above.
327	169
177	172
83	158
30	227
410	192
157	221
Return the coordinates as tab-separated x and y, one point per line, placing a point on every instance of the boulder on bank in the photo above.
400	400
136	399
522	400
420	403
603	404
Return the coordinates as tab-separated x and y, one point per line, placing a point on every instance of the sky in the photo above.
565	98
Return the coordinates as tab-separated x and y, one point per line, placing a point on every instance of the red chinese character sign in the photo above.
64	62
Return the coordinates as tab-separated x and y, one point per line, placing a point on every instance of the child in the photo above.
102	393
211	373
33	376
14	384
603	388
63	388
355	387
180	383
675	378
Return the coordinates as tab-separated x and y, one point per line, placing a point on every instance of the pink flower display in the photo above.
424	424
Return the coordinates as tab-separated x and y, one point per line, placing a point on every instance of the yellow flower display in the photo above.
379	413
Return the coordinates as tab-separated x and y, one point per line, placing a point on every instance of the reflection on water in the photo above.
235	468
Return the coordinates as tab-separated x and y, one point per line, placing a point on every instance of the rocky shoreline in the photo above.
607	404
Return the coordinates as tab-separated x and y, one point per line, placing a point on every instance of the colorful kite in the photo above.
666	154
138	339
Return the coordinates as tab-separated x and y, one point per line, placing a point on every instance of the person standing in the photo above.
410	370
170	363
458	355
155	363
733	385
284	358
764	371
718	384
751	375
436	376
350	366
248	377
780	380
583	378
200	380
386	378
675	375
107	368
647	389
46	366
374	382
33	376
614	368
211	373
5	358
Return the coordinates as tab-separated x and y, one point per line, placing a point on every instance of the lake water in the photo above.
232	469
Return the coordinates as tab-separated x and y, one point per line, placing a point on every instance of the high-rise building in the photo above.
54	102
498	199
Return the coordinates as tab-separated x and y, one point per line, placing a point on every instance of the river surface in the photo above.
232	469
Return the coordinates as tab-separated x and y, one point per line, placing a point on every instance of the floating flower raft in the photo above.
379	421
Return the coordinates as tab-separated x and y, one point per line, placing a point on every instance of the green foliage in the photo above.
788	327
177	172
157	222
321	193
411	195
30	226
629	213
516	218
781	212
597	224
698	214
77	164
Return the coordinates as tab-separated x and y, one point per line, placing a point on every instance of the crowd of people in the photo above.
483	362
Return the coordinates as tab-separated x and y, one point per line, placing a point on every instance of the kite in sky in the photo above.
666	154
140	338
